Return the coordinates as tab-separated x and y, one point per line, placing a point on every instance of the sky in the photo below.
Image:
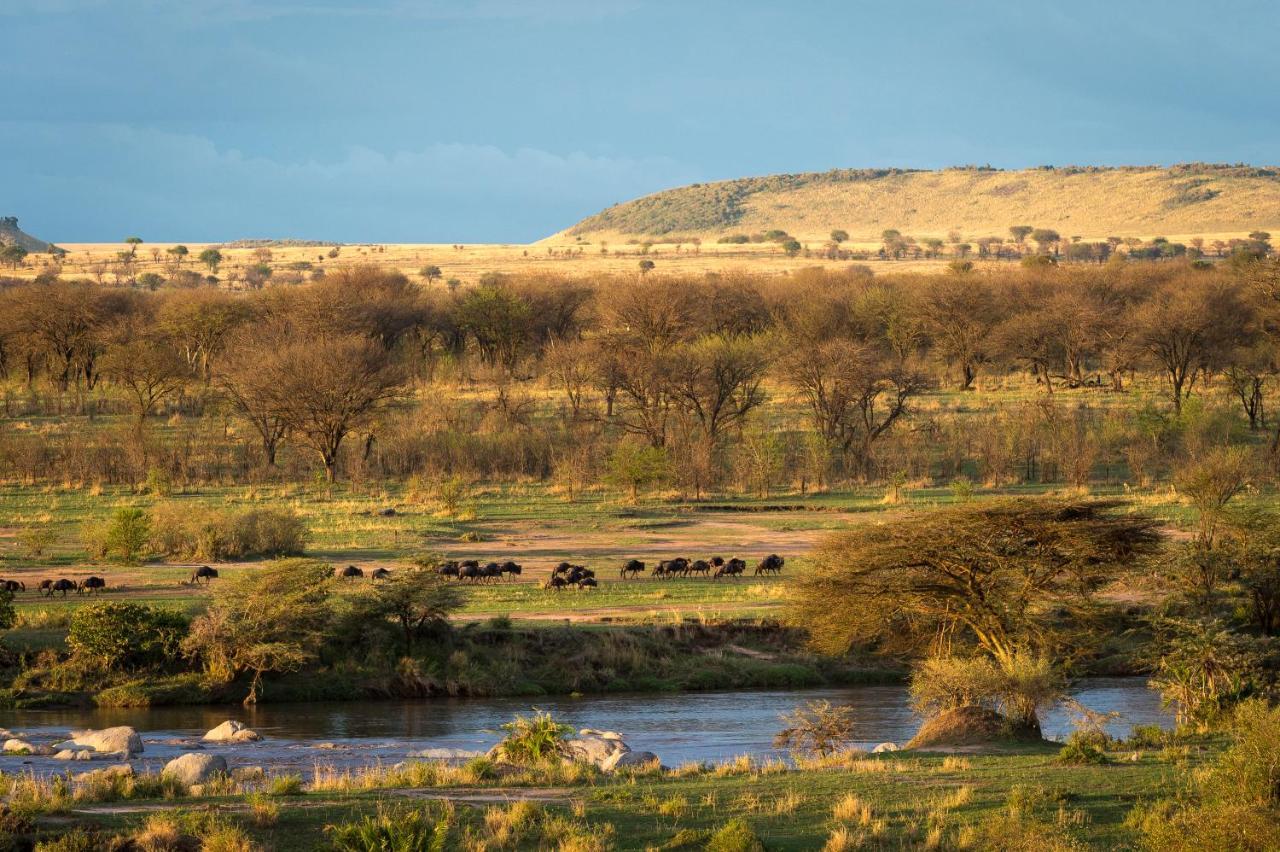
508	120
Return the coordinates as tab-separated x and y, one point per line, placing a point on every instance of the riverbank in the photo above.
495	658
852	800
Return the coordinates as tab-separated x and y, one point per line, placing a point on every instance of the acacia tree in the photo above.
717	380
148	367
998	577
960	316
854	395
324	389
271	619
413	600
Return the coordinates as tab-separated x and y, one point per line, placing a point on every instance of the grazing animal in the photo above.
92	585
732	568
587	583
470	570
380	574
13	585
771	564
348	573
632	567
62	585
556	582
511	569
698	566
448	569
562	568
491	572
204	572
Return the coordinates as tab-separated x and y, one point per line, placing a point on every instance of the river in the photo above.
707	726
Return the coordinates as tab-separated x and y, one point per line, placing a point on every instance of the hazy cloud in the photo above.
177	186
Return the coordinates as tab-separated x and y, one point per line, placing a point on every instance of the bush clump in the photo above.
214	536
122	635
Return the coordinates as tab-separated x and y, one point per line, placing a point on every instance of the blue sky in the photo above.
502	120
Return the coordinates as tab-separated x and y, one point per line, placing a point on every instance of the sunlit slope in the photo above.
1091	203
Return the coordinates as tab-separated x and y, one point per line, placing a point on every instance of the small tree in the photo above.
127	534
633	465
818	728
122	635
646	266
178	253
211	258
413	600
791	247
269	620
839	236
430	273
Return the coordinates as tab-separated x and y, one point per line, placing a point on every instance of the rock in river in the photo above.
120	740
195	768
232	731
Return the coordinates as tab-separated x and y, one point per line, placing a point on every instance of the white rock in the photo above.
629	760
16	746
118	740
594	750
195	768
79	754
607	735
883	747
231	731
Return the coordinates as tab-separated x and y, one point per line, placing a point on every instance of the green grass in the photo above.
907	796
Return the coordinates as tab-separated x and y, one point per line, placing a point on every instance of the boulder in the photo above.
231	731
607	735
79	754
195	768
453	755
16	746
594	750
883	747
118	740
629	760
119	770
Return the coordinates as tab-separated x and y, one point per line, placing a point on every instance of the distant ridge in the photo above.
1090	201
12	235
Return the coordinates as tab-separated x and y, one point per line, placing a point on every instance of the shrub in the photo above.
212	535
735	836
424	828
533	740
1082	749
816	729
270	532
122	635
126	534
939	684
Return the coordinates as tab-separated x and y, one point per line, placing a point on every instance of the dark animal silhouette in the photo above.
13	585
204	572
511	569
698	566
92	585
771	564
470	570
732	568
348	573
448	569
492	572
671	567
54	586
562	568
380	574
632	568
587	583
556	582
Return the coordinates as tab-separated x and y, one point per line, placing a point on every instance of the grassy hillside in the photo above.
1090	202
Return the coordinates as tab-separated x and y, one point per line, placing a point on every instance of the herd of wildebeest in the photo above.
562	576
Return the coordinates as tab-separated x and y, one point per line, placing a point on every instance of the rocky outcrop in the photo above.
630	760
195	768
119	740
883	747
12	235
17	746
232	731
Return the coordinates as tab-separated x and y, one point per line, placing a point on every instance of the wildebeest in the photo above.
13	585
380	574
492	571
670	567
49	587
698	566
562	568
732	568
632	567
448	569
92	585
511	569
771	564
587	583
204	572
470	570
556	582
348	573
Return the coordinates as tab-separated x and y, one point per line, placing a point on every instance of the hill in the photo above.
1091	202
11	234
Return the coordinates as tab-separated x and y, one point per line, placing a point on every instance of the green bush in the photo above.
735	836
126	534
215	536
532	740
1082	749
402	829
122	635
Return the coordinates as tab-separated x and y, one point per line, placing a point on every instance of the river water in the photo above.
707	726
